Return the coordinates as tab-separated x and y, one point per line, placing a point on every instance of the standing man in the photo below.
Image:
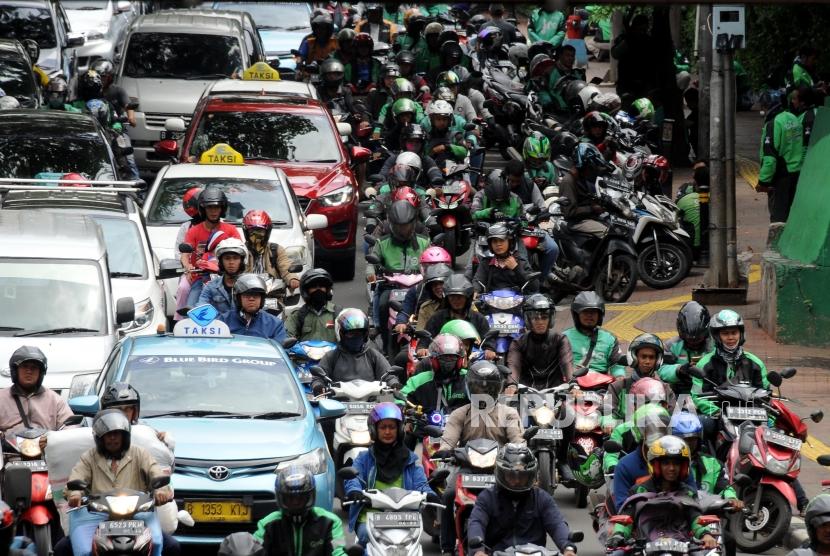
782	153
547	23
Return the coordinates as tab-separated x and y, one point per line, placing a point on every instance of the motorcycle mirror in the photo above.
823	459
185	248
78	419
576	536
530	432
612	446
372	259
742	480
370	192
817	416
504	370
396	305
317	371
370	239
160	482
295	268
17	486
433	431
580	371
289	343
624	520
77	484
438	239
354	550
789	372
346	473
774	378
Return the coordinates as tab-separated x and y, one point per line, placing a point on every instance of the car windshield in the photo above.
125	252
243	195
21	22
16	79
224	384
182	56
48	295
274	15
279	136
31	151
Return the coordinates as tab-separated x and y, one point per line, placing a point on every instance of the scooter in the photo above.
542	408
503	309
451	218
477	543
351	432
121	534
399	283
306	354
243	543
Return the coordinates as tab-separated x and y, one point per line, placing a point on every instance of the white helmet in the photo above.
8	103
232	245
410	159
587	94
440	108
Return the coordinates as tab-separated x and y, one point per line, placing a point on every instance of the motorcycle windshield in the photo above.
664	517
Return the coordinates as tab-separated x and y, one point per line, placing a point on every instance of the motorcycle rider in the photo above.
496	200
536	151
383	92
563	71
684	350
547	23
411	40
428	55
265	257
398	252
33	50
406	62
298	526
57	95
424	299
461	102
114	463
507	268
115	95
125	398
247	317
27	404
817	520
402	88
335	95
515	511
540	358
387	464
363	72
321	43
483	417
582	210
190	206
458	303
232	257
443	142
488	47
403	113
345	46
314	320
412	140
668	464
593	346
379	29
451	58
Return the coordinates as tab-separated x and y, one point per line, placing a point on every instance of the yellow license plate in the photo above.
227	511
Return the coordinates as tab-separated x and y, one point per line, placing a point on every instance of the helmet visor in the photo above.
295	503
517	480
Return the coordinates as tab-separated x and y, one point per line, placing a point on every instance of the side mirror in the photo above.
17	486
359	155
122	6
433	431
789	372
85	406
330	409
75	39
316	221
817	416
423	334
344	129
167	147
530	432
317	371
185	248
174	125
774	378
347	473
77	484
624	520
823	459
124	310
169	268
438	477
370	239
289	343
370	192
612	446
372	259
576	536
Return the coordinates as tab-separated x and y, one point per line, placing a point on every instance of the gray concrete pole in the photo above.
729	168
616	30
717	276
704	70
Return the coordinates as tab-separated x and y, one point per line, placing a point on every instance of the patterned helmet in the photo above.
536	146
642	341
446	355
665	448
348	320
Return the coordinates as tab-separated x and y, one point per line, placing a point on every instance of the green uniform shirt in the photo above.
315	327
708	407
689	206
546	26
397	257
606	349
781	142
337	539
711	476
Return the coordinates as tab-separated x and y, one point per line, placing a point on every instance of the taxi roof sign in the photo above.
260	72
222	153
202	323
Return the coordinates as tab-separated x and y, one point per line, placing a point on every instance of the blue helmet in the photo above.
384	410
686	425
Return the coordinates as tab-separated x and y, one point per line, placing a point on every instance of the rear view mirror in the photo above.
185	248
160	482
295	268
530	432
124	310
576	536
288	343
175	125
17	486
86	406
817	416
789	372
170	268
316	221
372	259
396	305
774	378
824	459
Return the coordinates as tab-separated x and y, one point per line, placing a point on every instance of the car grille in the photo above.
340	231
304	202
157	120
244	468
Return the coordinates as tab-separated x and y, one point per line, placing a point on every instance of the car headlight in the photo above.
339	196
482	461
314	461
122	505
543	415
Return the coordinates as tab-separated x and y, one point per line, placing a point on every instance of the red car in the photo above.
299	136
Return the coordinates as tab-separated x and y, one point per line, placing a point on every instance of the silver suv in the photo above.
169	59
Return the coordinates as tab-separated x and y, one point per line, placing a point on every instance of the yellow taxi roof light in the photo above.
260	72
222	153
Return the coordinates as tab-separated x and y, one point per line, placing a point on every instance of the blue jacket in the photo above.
215	293
414	478
501	524
630	468
263	325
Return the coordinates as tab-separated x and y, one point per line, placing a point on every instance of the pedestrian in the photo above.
782	153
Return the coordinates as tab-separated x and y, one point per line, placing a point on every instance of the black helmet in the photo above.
484	378
541	47
564	144
111	420
27	353
104	67
405	57
645	340
90	86
499	230
390	69
414	132
584	301
450	53
241	543
816	514
593	119
332	71
56	85
295	491
315	276
538	303
475	23
32	49
435	273
322	20
457	284
213	196
516	469
248	284
496	187
121	394
401	220
693	322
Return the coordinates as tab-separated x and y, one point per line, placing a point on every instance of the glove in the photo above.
442	454
615	541
356	496
432	497
393	383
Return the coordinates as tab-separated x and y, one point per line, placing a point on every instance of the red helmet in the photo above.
658	168
256	220
363	39
190	201
407	194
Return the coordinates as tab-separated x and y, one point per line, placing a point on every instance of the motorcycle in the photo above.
399	283
503	309
306	354
451	219
477	543
121	533
542	409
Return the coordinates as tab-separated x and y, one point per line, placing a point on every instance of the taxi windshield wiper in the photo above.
193	413
275	415
125	275
206	76
65	330
11	328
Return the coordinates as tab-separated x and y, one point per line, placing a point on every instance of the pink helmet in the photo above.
434	255
651	389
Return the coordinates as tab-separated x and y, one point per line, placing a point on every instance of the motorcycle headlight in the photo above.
503	303
482	461
360	437
314	461
339	196
777	466
122	505
543	415
586	423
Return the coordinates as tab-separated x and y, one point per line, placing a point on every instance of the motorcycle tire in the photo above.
581	496
546	472
42	537
774	519
624	278
676	265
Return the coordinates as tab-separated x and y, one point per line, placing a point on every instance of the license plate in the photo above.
117	528
591	397
37	466
452	190
477	481
395	520
359	408
175	135
506	327
746	413
548	434
781	439
212	511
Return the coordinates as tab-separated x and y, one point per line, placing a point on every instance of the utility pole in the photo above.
729	167
704	69
717	277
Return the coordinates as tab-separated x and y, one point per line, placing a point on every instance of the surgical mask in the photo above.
318	299
352	345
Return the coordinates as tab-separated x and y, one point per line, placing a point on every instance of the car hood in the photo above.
307	180
236	439
166	96
68	355
88	21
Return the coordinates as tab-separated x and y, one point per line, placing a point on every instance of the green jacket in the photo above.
398	257
422	390
320	535
426	61
781	143
618	435
483	207
315	326
547	171
607	348
718	371
710	476
682	354
546	26
406	42
801	76
689	206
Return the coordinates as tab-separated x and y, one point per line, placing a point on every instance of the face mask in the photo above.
352	345
318	299
257	242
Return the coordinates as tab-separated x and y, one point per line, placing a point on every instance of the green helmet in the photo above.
536	146
448	79
462	329
643	108
651	422
403	105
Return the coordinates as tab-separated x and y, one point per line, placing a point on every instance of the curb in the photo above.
796	535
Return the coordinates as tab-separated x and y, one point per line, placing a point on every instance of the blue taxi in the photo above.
237	413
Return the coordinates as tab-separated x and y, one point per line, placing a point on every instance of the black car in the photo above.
50	143
16	76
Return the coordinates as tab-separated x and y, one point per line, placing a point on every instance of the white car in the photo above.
104	24
247	187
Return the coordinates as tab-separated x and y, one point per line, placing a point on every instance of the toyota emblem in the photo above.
219	472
